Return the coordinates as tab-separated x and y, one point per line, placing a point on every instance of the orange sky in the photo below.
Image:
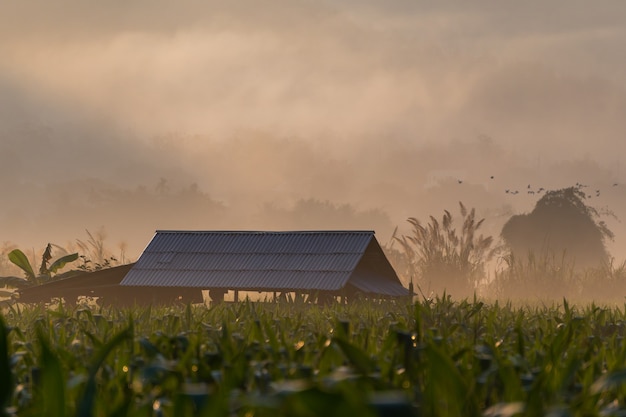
265	104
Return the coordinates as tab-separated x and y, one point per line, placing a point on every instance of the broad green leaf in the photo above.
60	263
21	260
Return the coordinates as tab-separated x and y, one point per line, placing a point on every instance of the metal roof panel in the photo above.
306	260
245	279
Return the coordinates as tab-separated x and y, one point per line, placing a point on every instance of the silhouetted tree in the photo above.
561	225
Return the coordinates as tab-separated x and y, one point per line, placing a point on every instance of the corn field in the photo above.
430	358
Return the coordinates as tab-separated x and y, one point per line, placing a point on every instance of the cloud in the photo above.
371	104
297	68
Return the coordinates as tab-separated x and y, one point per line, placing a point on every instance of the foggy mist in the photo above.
130	117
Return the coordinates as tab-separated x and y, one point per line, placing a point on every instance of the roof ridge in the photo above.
360	231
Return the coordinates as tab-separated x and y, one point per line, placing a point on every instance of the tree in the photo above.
445	259
562	226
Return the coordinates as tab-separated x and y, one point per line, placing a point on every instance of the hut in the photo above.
104	286
318	265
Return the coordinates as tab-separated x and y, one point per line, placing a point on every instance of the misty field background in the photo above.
557	251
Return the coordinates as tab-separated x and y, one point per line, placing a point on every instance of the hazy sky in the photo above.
264	103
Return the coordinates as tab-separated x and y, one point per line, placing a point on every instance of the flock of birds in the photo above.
532	191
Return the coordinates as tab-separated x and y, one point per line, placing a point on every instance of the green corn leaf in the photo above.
188	316
149	348
95	341
448	390
52	389
6	376
86	401
609	381
356	356
505	410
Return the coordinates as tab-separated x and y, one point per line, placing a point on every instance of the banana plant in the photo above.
46	271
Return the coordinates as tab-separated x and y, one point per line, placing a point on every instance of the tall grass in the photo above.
546	277
444	258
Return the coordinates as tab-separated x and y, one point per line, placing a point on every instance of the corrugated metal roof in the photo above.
301	260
